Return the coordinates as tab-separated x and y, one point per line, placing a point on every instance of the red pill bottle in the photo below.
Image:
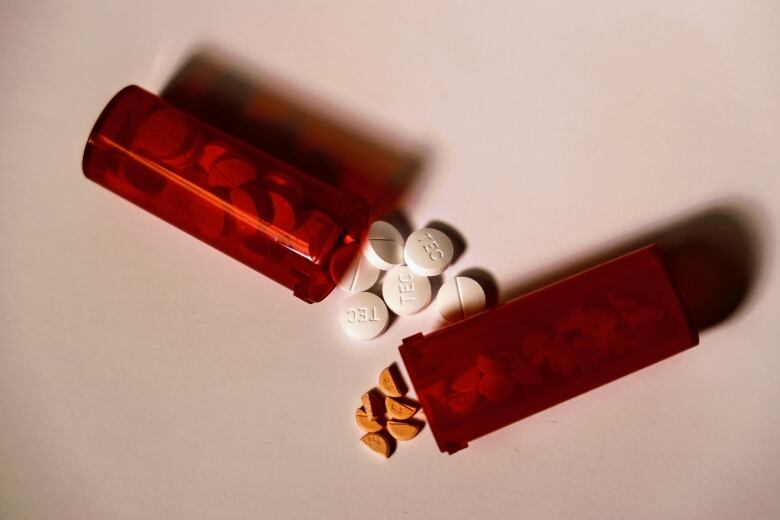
272	217
540	349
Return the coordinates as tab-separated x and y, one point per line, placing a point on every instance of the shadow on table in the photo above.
296	127
715	256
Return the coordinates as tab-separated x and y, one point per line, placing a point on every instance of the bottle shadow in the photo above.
296	127
714	255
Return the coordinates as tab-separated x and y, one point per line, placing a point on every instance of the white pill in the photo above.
358	275
364	316
384	247
428	252
460	298
405	292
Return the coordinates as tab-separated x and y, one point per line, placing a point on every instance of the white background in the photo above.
144	375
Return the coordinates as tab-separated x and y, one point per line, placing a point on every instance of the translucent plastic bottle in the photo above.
533	352
270	216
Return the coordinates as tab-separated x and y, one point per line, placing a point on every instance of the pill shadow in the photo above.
459	243
398	378
715	255
400	221
485	280
296	126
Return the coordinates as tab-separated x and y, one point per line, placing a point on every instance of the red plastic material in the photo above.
249	205
543	348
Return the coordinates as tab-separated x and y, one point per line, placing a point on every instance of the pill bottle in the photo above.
235	197
542	348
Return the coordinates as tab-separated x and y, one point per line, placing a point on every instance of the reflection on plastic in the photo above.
270	216
548	346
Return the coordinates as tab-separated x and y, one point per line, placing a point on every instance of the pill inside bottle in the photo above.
232	196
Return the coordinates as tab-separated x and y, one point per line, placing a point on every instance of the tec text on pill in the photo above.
364	315
404	291
460	298
428	252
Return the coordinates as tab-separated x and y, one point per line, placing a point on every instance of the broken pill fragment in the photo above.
366	423
467	381
403	431
463	402
390	383
377	442
496	387
398	410
372	404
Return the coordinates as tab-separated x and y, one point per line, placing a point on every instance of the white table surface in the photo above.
144	375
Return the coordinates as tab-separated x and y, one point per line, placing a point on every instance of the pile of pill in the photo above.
405	288
392	416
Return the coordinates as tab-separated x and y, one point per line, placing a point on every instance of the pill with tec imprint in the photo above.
428	252
460	298
364	316
384	247
404	291
351	270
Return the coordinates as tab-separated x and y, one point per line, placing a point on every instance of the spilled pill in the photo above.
372	404
428	252
367	423
399	410
404	291
390	383
364	316
460	298
377	442
384	247
352	271
403	431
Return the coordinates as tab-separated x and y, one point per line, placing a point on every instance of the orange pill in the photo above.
372	404
191	151
377	442
252	205
390	382
366	423
496	387
403	431
277	179
212	151
463	402
467	381
285	209
399	410
488	365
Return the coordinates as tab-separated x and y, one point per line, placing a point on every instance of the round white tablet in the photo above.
364	316
384	247
405	292
428	252
460	298
358	275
